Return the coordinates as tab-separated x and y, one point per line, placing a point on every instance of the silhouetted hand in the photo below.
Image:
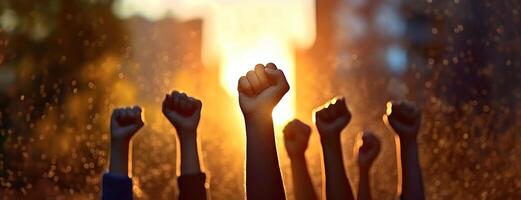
183	112
261	89
404	118
369	150
125	122
332	119
296	138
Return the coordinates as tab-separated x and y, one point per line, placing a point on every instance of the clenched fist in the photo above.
296	138
125	122
404	118
369	150
332	119
261	89
182	111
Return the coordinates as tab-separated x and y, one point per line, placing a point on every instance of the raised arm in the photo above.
184	113
367	153
124	123
259	91
296	138
330	122
405	119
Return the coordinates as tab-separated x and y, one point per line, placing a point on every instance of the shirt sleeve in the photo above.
192	186
116	187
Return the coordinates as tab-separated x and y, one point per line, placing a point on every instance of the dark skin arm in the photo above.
405	119
367	153
125	122
259	91
330	121
296	138
184	113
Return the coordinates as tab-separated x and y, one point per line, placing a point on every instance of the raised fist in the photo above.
125	122
296	137
369	150
404	118
182	111
261	89
333	118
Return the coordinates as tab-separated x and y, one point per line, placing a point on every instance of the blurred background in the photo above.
65	64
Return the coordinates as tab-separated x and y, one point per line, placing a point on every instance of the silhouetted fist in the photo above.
404	118
296	137
182	111
261	89
369	150
333	118
125	122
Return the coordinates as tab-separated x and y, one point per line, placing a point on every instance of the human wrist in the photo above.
364	169
408	143
298	158
188	143
119	156
258	115
329	138
186	134
118	143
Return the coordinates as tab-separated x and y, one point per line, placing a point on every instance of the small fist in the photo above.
182	111
125	122
261	89
331	120
404	118
369	150
296	137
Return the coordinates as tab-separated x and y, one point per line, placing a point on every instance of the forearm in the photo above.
302	184
190	163
263	178
364	190
192	181
412	187
119	157
337	185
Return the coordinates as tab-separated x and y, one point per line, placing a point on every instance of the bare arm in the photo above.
412	187
263	178
364	190
296	138
119	151
367	153
125	123
259	91
337	186
184	113
405	119
190	163
330	122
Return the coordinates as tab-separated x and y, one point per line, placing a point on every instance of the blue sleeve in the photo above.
116	187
